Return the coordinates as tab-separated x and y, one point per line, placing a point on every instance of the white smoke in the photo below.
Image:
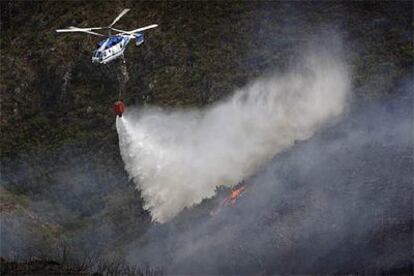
178	158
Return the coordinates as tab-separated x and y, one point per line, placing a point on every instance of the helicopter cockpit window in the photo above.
97	54
112	41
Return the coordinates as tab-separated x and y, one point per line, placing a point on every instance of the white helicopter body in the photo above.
114	45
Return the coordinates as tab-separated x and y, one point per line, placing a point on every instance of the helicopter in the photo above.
114	45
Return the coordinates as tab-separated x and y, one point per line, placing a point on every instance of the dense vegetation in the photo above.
200	52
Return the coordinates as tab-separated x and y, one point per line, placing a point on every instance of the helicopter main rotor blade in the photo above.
73	29
119	17
141	29
119	31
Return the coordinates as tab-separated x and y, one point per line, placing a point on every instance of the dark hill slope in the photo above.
59	149
51	93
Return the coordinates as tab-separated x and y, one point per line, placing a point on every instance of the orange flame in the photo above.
234	195
230	199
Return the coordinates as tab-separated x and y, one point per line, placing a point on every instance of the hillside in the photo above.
221	46
62	177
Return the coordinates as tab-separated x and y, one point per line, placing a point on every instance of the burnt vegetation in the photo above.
80	265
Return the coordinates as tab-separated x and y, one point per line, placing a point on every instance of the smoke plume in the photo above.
178	158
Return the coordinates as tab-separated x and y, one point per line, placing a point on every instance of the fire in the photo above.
234	195
230	199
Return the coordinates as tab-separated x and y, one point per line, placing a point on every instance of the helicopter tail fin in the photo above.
139	38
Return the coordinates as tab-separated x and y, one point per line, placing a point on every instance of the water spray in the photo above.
178	158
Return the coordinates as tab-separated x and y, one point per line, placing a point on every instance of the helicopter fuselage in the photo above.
113	47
